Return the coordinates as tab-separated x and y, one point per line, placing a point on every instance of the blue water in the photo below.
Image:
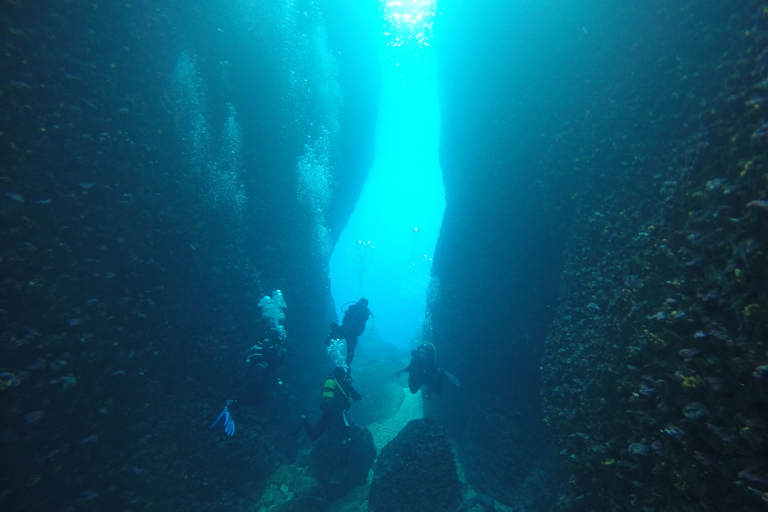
566	198
386	249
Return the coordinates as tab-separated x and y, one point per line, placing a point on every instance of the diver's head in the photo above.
363	301
339	373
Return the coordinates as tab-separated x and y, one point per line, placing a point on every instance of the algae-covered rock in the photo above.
326	455
287	475
416	472
309	486
303	504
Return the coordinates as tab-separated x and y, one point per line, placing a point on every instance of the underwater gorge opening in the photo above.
385	251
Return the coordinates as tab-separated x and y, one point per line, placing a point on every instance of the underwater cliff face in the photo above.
611	180
599	282
161	172
653	376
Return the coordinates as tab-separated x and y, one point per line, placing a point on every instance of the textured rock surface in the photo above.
303	504
416	471
325	456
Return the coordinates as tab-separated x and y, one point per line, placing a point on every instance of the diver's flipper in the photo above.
450	376
229	423
294	432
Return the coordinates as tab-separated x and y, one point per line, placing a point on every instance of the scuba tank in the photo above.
332	390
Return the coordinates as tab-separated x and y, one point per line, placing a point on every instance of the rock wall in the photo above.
598	171
163	169
654	373
416	471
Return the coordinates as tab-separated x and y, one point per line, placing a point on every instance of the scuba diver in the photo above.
263	359
352	326
424	373
336	398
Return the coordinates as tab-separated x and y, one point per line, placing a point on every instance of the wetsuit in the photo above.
337	397
353	326
264	358
423	370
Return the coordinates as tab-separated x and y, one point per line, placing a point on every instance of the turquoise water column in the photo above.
385	251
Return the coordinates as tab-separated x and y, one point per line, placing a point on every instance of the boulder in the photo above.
302	504
325	457
416	472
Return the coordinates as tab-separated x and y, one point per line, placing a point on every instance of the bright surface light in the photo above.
385	252
408	21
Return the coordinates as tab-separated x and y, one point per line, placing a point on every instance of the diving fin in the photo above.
450	376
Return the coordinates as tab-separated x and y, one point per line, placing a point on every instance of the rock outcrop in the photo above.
416	471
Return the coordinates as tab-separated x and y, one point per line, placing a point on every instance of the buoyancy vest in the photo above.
334	395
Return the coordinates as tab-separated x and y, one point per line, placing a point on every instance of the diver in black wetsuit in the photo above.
337	397
423	371
352	326
263	359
